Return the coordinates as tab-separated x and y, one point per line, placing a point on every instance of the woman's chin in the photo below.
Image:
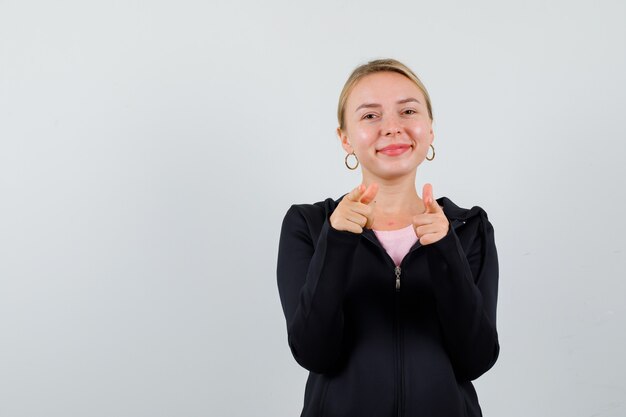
395	172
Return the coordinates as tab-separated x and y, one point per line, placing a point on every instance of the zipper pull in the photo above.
398	270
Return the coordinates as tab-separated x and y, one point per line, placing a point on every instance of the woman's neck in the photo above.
395	203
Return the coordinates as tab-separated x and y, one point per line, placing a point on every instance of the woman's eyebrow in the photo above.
405	100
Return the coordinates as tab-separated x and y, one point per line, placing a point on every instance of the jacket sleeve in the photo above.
466	291
311	282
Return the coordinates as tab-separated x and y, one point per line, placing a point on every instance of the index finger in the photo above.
369	194
431	205
427	195
355	194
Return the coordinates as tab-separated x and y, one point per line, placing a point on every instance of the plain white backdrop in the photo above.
149	151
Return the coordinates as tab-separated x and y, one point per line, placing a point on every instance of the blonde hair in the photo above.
378	65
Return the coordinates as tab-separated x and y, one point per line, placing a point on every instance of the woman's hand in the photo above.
354	212
432	225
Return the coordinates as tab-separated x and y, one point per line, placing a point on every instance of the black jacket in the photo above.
381	340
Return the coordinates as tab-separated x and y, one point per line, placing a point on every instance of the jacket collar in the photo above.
456	215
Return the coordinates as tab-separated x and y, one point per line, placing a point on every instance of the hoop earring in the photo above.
432	157
357	161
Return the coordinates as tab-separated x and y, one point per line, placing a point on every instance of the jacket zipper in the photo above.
398	345
398	271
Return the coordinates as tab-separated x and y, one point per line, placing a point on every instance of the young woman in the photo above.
389	297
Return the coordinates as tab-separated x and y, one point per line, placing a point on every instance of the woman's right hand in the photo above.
354	211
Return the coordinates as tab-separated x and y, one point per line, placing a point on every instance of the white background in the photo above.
149	151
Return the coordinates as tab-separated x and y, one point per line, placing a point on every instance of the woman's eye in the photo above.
367	116
410	111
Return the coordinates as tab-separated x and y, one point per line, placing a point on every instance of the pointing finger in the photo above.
429	202
369	194
355	194
427	196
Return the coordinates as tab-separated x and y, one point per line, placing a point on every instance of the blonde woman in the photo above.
389	297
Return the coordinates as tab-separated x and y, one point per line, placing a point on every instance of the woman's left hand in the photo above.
432	225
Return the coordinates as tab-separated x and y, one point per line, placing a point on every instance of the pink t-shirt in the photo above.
397	242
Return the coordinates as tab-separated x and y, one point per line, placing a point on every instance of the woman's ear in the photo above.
345	142
432	133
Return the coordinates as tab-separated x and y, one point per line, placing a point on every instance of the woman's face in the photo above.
387	125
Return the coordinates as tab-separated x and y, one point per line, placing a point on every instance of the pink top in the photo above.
397	242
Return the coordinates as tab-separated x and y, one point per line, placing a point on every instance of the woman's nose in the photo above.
391	126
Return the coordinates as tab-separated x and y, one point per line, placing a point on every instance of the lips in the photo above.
394	149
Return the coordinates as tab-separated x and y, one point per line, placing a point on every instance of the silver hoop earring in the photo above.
357	161
432	157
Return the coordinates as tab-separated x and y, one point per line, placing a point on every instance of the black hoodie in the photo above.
381	340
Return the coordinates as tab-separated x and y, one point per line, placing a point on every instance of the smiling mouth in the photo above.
395	150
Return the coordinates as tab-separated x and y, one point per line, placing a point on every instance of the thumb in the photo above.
369	194
355	194
430	203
